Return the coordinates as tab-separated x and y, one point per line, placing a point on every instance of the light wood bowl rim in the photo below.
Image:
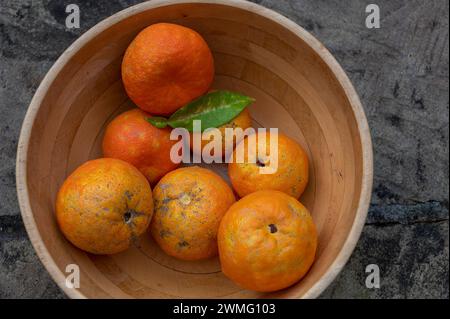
363	129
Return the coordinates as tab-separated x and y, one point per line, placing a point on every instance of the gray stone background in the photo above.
401	74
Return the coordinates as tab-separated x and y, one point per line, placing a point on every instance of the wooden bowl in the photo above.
299	88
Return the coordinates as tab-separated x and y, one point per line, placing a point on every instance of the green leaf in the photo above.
213	109
159	122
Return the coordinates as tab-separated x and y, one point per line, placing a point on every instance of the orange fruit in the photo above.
291	175
131	138
103	205
267	241
243	121
189	204
165	67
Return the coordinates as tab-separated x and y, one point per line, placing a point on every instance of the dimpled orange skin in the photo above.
243	121
189	204
267	241
103	205
290	177
131	138
165	67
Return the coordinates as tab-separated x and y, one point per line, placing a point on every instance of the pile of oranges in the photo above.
266	240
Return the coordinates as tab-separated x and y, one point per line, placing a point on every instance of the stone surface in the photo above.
413	262
21	273
401	74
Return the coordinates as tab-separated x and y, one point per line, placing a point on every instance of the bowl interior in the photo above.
295	91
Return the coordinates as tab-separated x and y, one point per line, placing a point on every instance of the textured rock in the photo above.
21	273
413	263
401	74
